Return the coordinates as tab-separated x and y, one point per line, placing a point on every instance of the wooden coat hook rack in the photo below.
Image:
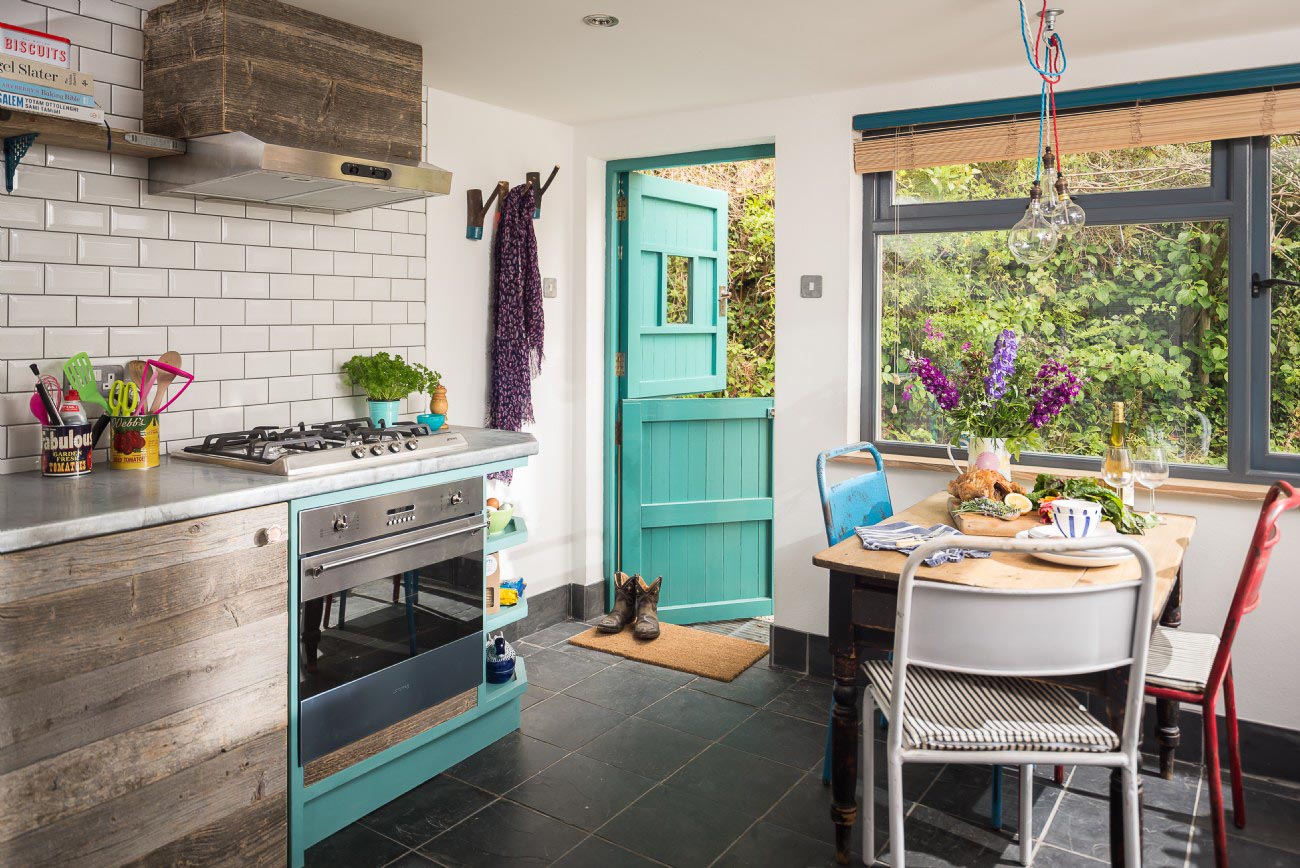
477	208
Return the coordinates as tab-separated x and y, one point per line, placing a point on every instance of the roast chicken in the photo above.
980	482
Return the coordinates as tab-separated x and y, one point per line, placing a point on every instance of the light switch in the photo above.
549	289
810	286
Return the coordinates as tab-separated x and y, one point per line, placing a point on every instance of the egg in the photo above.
494	503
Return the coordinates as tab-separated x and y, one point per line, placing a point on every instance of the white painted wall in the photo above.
819	231
482	144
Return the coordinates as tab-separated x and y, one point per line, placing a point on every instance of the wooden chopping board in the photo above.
988	525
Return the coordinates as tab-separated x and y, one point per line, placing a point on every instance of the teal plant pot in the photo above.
383	412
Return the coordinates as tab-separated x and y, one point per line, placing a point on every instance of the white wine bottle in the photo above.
1119	440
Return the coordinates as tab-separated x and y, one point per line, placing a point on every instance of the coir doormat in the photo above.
698	652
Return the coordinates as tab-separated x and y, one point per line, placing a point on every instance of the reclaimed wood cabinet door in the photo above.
143	696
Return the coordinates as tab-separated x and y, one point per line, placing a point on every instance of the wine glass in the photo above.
1152	471
1117	468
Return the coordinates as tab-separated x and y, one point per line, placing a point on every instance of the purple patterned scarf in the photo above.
518	324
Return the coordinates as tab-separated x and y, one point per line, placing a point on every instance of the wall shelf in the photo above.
507	615
88	137
515	532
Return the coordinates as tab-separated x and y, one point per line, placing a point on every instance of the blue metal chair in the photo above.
858	502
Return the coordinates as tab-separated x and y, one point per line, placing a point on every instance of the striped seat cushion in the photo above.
1180	660
953	711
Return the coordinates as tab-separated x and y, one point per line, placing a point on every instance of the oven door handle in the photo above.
320	569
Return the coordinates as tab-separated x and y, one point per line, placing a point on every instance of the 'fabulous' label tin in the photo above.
66	450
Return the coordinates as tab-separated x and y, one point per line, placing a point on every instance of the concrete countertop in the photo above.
36	511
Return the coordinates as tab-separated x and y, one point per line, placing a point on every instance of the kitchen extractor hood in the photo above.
239	166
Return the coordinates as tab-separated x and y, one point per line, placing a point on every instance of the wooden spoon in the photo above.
163	379
135	371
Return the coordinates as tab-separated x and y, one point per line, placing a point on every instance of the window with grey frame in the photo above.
1153	300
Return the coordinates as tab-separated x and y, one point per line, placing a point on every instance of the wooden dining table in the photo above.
863	596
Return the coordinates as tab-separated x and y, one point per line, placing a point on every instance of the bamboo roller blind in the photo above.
1195	120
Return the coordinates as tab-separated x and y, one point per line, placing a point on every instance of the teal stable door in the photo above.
695	474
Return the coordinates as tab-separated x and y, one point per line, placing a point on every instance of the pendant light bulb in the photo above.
1069	217
1034	238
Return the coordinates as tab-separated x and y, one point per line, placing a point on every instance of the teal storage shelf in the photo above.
515	532
507	615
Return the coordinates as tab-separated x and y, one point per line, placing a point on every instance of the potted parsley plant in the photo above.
386	380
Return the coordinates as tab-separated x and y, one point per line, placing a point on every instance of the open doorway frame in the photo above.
613	313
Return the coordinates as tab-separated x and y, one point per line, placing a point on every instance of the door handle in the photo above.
320	569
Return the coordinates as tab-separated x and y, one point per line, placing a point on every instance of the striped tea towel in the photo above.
903	536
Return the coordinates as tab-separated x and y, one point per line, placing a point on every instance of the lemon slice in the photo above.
1018	501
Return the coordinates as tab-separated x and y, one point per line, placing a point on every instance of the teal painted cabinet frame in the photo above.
316	812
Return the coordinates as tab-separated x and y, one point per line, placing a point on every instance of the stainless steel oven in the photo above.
390	610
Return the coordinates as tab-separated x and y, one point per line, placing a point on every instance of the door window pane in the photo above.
1161	167
1140	309
1284	343
678	275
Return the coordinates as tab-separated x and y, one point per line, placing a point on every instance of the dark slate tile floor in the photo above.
618	763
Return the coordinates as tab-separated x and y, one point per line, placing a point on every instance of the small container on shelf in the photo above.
500	660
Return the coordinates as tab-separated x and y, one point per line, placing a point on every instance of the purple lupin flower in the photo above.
1002	365
1055	386
936	383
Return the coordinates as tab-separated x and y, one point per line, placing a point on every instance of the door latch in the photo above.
723	296
620	364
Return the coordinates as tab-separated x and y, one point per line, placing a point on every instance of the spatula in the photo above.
81	376
164	379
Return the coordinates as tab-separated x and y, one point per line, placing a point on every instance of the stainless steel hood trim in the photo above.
238	166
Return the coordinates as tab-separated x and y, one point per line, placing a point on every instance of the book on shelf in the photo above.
26	88
55	77
36	105
35	45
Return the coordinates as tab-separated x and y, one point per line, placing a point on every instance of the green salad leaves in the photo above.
1112	508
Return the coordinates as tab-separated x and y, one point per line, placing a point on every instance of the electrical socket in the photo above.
549	287
104	377
810	286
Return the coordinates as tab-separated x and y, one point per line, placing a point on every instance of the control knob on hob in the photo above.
412	443
394	446
377	449
359	452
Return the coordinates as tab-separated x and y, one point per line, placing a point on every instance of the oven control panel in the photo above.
327	527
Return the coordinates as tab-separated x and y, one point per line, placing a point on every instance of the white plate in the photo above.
1103	557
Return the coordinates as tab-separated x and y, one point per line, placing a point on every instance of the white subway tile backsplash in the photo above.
42	310
22	277
291	285
334	287
270	259
76	279
237	393
108	189
30	245
236	284
290	235
107	250
277	364
291	337
219	311
137	281
17	212
60	343
194	227
108	311
188	340
137	341
76	217
167	311
197	284
271	312
78	159
245	339
264	301
158	253
137	222
220	257
239	230
21	343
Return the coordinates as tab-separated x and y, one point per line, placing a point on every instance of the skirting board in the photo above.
1266	750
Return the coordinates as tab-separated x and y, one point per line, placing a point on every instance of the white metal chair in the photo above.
962	686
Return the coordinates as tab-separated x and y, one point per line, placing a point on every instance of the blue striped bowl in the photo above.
1076	518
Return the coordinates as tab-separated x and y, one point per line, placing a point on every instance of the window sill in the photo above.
1027	472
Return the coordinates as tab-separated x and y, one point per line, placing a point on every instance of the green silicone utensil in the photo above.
81	376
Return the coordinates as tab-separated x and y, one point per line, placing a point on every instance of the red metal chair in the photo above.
1191	667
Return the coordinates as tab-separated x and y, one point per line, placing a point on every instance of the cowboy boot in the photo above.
647	608
624	605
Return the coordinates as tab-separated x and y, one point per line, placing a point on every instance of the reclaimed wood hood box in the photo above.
283	75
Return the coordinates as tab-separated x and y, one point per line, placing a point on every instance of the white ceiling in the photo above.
537	56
